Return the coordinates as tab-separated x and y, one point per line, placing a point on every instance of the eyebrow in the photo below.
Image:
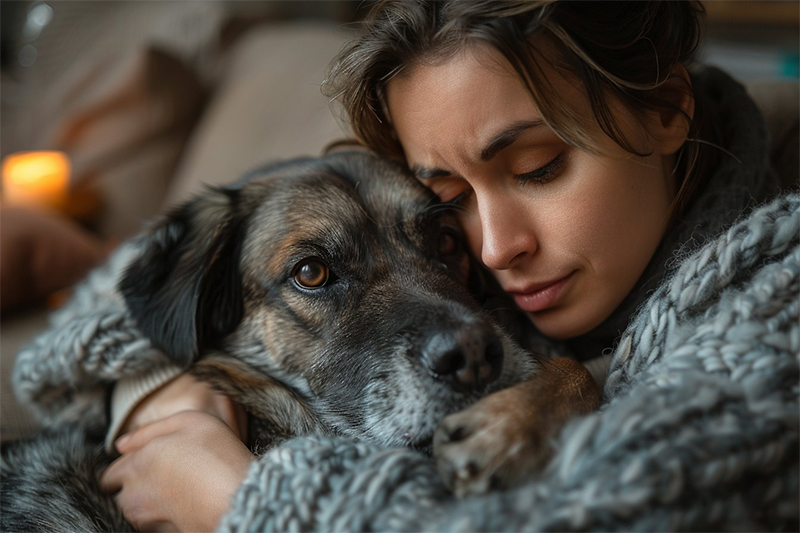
427	173
507	137
502	140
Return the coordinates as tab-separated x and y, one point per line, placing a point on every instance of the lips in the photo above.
540	296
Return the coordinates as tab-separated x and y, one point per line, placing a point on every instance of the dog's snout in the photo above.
469	358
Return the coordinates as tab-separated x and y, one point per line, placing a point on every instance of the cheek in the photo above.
620	219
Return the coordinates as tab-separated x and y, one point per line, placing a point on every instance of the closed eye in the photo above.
544	174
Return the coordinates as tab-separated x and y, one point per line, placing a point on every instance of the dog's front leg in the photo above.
504	438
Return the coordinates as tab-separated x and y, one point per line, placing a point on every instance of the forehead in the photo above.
474	89
450	109
341	206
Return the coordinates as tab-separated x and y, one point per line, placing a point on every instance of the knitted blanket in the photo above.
699	428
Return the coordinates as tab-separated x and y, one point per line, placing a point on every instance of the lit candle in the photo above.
36	179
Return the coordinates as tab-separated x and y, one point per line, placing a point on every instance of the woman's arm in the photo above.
335	484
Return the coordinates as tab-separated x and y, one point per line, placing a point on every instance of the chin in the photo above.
562	324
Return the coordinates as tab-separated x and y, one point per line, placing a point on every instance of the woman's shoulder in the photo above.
757	122
735	258
736	295
779	103
745	151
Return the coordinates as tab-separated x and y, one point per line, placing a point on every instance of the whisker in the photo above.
548	361
497	310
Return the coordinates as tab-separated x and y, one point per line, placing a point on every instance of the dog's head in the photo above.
327	293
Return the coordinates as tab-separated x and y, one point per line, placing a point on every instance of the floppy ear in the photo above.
185	289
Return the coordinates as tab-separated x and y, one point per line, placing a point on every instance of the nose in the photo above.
506	237
468	358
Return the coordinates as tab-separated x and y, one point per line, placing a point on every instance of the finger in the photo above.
180	421
139	514
130	442
231	414
111	479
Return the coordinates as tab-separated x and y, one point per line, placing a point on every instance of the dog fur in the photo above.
391	344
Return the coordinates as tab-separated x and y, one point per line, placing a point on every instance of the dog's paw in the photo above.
493	444
505	438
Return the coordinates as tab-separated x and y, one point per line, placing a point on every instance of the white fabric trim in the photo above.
598	368
129	392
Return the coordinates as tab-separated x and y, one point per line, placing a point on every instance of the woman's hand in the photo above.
178	473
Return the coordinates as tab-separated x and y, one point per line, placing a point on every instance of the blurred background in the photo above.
145	101
100	78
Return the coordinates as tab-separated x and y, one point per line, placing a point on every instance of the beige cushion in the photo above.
42	252
124	121
267	106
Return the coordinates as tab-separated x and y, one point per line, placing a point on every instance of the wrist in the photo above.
129	392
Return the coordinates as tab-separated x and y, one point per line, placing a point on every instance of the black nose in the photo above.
469	358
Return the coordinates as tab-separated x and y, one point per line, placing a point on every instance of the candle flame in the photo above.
36	178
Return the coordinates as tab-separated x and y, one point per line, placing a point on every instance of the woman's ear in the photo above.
670	126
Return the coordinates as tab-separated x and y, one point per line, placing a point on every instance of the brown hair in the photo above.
626	50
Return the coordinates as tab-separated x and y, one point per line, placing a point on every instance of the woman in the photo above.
586	162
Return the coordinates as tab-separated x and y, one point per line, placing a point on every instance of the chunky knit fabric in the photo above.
700	429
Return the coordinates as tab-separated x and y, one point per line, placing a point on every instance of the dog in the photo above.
335	296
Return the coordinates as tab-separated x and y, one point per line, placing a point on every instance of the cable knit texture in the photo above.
698	430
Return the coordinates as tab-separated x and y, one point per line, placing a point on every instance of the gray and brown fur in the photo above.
348	358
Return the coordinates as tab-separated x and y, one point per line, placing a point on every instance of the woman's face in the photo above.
566	232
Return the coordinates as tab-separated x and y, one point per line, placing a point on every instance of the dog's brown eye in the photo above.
311	273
